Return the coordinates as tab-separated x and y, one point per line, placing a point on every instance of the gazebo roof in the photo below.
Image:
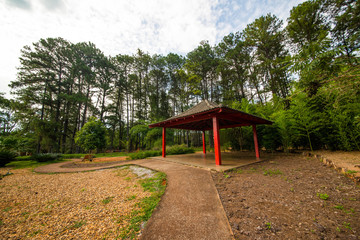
200	117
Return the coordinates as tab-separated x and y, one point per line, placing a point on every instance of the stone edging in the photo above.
355	177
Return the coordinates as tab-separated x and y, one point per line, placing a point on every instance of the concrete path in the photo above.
189	209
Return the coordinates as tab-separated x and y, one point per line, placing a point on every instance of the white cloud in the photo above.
119	26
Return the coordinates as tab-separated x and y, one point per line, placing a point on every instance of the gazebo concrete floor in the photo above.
229	160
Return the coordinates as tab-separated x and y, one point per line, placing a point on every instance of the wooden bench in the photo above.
88	157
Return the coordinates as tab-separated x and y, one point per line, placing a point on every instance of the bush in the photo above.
144	154
6	156
23	158
179	149
73	155
45	157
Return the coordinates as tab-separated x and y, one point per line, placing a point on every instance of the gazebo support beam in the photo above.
217	140
204	142
256	142
164	142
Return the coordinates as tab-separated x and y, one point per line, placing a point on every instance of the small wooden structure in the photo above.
207	116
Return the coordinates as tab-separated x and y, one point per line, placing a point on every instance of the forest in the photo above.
303	75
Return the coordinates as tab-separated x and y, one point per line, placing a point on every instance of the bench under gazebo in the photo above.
207	116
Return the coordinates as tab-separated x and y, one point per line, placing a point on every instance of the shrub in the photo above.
6	156
23	158
144	154
45	157
179	149
73	155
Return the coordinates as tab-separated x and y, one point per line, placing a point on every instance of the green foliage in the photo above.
146	206
92	135
144	154
179	149
305	78
323	196
46	157
29	164
107	200
6	156
271	172
268	225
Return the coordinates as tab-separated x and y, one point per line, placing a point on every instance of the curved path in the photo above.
189	209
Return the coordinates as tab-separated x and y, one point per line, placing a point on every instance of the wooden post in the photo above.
164	142
256	142
204	142
216	141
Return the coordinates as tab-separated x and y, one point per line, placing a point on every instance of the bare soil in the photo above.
86	205
285	198
348	160
97	162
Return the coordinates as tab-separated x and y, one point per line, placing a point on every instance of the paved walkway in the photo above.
189	209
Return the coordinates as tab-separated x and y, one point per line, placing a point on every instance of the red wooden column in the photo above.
217	141
256	142
204	142
164	142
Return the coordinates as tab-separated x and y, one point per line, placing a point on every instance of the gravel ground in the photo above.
290	197
88	205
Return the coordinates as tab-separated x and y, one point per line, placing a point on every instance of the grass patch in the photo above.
77	224
347	225
350	172
272	172
323	196
107	200
268	225
30	164
7	209
156	185
226	175
132	197
341	207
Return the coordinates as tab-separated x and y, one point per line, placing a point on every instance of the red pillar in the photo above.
164	143
204	142
256	142
216	141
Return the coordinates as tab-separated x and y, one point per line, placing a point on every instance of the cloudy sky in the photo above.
122	26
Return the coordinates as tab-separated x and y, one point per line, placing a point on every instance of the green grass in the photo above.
341	207
30	164
351	172
272	172
7	209
132	197
107	200
77	224
146	206
347	225
323	196
268	225
113	154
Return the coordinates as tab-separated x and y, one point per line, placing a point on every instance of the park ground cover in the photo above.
100	204
290	197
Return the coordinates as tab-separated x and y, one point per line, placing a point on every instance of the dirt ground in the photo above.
349	160
97	162
290	197
87	205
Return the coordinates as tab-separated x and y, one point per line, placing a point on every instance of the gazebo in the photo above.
211	116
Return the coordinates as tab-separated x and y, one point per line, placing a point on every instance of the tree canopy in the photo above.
304	77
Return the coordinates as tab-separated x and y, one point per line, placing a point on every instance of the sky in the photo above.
123	26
